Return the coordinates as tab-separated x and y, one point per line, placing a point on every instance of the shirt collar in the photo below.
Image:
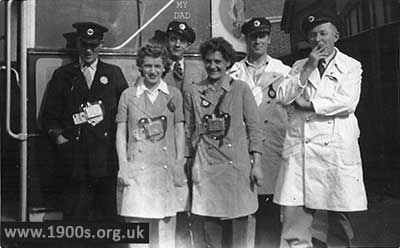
265	62
92	65
162	86
181	62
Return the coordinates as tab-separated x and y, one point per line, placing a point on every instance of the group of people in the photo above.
197	151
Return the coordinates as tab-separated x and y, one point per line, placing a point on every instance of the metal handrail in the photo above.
141	28
19	136
16	74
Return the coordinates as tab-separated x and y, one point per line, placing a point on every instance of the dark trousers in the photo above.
93	199
268	223
212	232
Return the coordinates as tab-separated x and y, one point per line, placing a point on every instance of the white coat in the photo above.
273	116
322	164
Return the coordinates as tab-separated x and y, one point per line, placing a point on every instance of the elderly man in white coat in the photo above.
322	163
263	74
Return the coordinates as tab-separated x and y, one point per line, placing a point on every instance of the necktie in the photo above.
321	66
88	75
178	71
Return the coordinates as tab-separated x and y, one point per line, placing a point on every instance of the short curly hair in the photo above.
218	44
153	51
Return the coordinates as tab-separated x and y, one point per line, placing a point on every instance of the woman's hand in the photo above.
123	174
256	174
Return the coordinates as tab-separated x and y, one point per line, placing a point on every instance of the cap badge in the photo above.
182	26
90	32
103	80
256	23
311	18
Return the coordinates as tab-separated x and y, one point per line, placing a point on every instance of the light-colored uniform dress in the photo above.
152	164
221	170
273	115
322	164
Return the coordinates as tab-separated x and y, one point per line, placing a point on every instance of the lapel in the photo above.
100	81
243	71
207	94
78	80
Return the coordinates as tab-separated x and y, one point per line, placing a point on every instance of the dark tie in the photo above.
178	72
321	66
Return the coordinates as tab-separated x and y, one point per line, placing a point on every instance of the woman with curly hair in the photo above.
150	147
224	137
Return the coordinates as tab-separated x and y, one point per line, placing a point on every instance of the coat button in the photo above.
230	162
215	138
326	143
307	141
266	121
229	145
164	148
165	166
307	119
105	134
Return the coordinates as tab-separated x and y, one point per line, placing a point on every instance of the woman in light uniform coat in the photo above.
150	146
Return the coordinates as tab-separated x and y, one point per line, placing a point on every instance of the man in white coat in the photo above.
263	74
322	163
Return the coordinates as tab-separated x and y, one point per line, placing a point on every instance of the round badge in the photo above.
182	26
90	31
257	23
204	103
104	80
311	18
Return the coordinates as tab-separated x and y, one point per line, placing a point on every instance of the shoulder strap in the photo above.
221	98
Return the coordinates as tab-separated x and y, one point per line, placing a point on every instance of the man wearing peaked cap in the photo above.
322	166
178	37
263	74
85	144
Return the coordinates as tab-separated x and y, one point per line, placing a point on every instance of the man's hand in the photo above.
61	140
316	54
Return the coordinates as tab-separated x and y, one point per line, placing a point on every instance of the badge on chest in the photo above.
91	113
153	129
217	125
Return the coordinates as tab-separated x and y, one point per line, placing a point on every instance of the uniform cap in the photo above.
182	28
90	32
313	20
256	25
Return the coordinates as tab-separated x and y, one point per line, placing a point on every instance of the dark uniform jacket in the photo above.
193	72
90	149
